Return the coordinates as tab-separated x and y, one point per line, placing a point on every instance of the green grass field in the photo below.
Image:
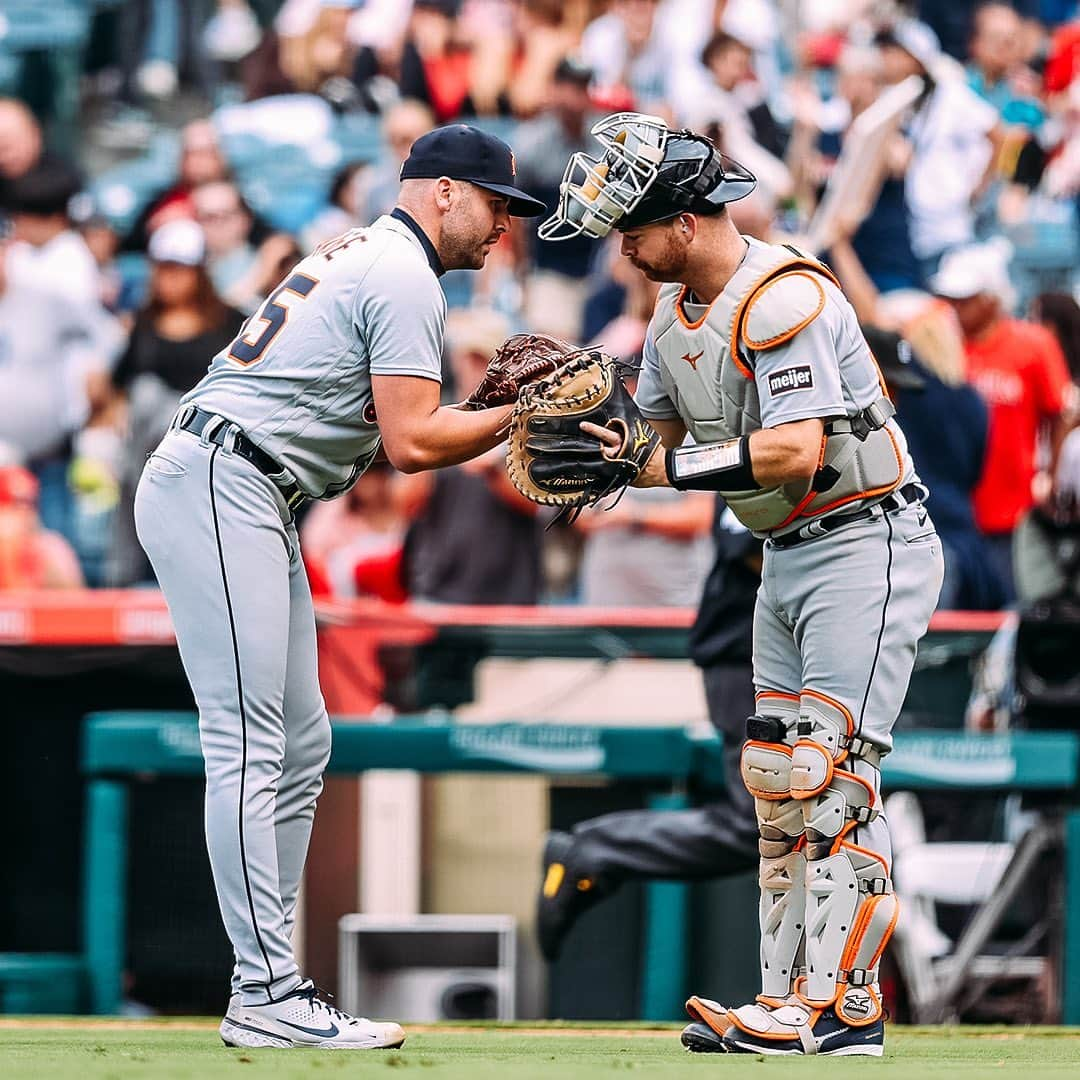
42	1049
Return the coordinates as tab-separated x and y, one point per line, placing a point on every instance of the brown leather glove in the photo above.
519	360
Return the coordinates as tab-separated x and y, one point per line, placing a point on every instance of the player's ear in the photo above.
444	193
687	225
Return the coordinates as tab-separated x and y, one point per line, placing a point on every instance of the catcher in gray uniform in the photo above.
343	357
754	350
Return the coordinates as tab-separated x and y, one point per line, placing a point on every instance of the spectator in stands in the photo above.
734	101
1019	369
243	270
356	543
686	26
998	73
182	325
403	123
31	556
512	71
21	145
1060	314
46	252
652	549
620	303
435	63
629	57
996	69
23	153
201	162
473	539
882	240
343	209
554	290
946	422
308	51
54	350
226	221
955	137
103	243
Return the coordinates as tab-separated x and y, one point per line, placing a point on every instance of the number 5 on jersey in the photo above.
274	314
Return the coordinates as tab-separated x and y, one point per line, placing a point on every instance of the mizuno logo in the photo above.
641	435
692	360
822	1039
322	1033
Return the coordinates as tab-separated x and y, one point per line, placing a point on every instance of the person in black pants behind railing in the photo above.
588	864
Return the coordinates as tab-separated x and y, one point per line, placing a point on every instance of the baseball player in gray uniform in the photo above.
754	350
343	357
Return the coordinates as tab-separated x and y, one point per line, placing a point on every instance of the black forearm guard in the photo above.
722	466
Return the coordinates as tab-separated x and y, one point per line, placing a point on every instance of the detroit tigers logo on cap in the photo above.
789	379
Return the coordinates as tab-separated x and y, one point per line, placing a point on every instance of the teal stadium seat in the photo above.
26	25
125	189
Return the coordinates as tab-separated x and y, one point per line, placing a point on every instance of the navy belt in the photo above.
907	495
192	418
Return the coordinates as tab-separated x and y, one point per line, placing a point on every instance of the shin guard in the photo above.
766	770
850	907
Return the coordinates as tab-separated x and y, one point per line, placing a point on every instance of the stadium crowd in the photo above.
217	143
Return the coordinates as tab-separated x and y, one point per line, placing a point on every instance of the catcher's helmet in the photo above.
648	174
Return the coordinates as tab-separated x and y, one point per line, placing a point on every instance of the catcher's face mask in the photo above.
648	174
595	194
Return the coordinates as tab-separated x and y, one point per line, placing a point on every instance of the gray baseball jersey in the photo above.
222	540
298	378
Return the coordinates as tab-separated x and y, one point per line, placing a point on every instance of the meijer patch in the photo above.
792	378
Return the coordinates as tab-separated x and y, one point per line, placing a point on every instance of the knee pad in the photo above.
826	738
766	754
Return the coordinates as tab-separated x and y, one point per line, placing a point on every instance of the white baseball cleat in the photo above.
303	1019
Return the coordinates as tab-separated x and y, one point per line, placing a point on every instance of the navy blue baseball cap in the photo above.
461	152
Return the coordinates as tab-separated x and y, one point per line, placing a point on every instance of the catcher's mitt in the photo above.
519	360
551	460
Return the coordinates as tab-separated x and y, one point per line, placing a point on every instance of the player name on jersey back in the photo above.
297	378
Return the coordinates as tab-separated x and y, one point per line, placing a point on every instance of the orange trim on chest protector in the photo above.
776	272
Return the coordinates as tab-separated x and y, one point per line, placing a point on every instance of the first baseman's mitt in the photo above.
551	460
519	360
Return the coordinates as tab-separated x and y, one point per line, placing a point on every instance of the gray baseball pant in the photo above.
836	628
225	551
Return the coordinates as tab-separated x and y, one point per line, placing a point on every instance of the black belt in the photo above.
820	526
192	418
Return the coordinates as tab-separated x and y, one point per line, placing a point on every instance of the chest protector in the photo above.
707	371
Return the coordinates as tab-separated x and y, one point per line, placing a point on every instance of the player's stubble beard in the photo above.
670	263
461	244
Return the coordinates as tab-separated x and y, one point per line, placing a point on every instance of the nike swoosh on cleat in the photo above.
256	1030
321	1033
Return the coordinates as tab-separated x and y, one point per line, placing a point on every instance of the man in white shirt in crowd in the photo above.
955	136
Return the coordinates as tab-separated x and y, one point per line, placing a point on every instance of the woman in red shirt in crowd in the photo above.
31	557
